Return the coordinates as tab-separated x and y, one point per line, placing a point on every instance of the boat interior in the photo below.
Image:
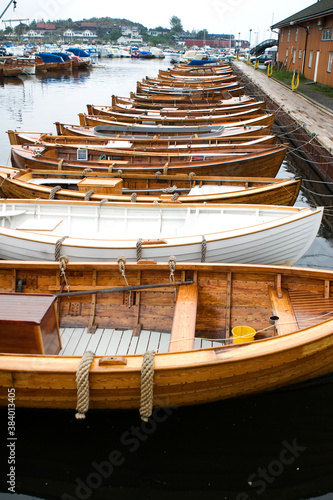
121	309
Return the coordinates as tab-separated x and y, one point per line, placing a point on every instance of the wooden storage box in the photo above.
101	186
36	315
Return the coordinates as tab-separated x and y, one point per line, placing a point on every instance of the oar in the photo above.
123	289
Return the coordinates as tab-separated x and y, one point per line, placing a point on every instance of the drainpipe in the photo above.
306	42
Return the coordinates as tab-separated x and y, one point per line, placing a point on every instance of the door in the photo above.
316	66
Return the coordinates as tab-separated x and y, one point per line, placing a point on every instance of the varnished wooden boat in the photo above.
188	83
200	111
264	163
131	102
162	134
196	361
201	97
261	119
265	234
204	91
171	119
212	141
146	188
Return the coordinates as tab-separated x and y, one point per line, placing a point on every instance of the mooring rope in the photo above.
82	383
203	248
147	385
57	248
53	192
139	249
133	197
88	194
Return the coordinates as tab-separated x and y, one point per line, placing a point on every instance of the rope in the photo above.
157	174
119	173
191	175
82	384
86	170
58	248
53	192
175	196
63	261
169	190
60	164
147	385
121	262
139	250
203	249
133	197
165	168
88	194
172	267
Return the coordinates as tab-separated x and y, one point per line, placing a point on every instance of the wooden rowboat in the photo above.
167	119
261	119
151	144
144	188
196	361
265	234
264	163
221	103
160	134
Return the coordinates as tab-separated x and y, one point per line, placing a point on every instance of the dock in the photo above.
305	124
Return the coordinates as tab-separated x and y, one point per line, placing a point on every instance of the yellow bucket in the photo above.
243	334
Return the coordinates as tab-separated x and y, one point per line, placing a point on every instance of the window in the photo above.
310	58
281	38
296	35
294	57
288	38
329	65
299	53
326	34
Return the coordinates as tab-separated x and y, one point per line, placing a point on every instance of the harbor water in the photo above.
271	446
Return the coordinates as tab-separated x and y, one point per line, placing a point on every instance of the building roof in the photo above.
318	9
87	24
45	26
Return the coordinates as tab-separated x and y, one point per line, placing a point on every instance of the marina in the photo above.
103	267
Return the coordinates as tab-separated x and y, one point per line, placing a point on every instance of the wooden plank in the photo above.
104	342
132	347
197	343
124	342
184	319
95	339
164	342
283	308
65	335
114	342
228	307
143	341
73	342
81	347
154	341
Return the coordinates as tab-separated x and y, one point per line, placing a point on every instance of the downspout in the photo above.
306	42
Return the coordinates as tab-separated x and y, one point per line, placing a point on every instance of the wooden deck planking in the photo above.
76	341
316	119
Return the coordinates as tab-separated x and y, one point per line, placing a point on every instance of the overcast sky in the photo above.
217	16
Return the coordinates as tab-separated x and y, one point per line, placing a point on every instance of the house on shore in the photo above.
306	42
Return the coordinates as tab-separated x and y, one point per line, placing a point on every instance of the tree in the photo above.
202	34
176	24
115	34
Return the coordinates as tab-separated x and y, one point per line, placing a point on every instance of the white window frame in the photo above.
329	64
300	54
326	35
294	57
310	58
288	37
296	34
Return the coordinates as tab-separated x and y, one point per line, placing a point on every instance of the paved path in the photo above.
315	119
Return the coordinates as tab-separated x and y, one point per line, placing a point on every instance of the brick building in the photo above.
306	42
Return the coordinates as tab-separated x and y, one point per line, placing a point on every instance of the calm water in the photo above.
272	446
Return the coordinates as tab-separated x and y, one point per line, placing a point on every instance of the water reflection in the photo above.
274	446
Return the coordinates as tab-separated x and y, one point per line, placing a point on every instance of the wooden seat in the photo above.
282	307
184	319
